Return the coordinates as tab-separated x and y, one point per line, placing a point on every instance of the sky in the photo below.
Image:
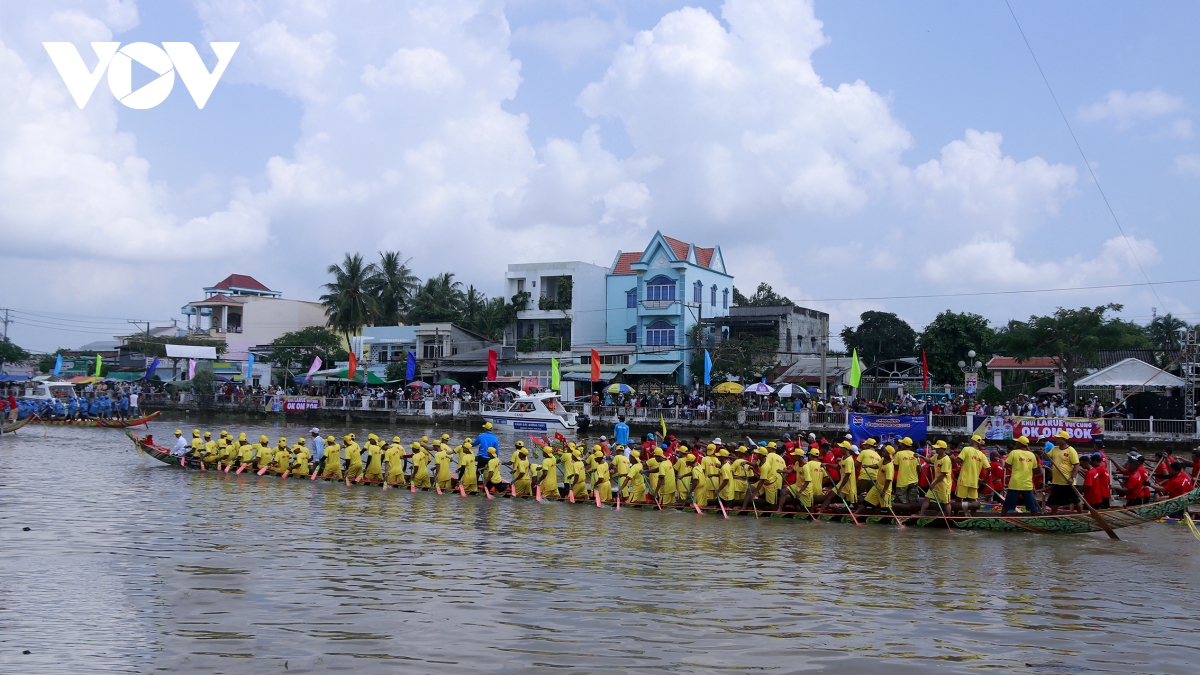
840	151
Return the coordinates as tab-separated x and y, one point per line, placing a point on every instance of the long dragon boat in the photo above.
9	428
106	424
1076	523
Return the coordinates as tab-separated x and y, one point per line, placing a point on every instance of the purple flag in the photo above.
316	365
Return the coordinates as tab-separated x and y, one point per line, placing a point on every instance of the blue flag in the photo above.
250	370
151	369
410	373
57	364
707	368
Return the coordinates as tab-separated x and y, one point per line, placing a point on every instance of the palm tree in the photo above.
474	304
393	286
348	304
440	300
1164	335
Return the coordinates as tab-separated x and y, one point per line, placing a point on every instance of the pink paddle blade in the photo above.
571	496
359	479
538	492
202	467
242	468
228	467
723	509
487	492
385	483
514	488
263	470
285	473
413	488
314	476
438	488
462	490
598	504
697	507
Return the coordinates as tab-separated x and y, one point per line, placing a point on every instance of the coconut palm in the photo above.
393	286
349	304
440	300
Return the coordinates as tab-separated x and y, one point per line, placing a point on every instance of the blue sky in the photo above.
836	150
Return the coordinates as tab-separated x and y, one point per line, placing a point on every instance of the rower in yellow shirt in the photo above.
579	487
880	494
620	471
1021	464
468	473
210	449
264	454
522	478
601	480
906	494
354	466
441	463
281	462
333	459
634	478
491	474
726	486
301	458
683	474
741	475
374	468
846	489
667	490
420	462
971	461
868	460
548	474
1064	467
700	496
770	474
943	476
393	461
652	464
568	467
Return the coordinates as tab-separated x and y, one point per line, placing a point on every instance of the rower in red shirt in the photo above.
1136	490
830	457
996	478
1093	476
1177	483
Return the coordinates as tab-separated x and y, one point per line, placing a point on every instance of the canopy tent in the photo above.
340	375
1130	373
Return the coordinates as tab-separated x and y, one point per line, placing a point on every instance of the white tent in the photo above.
1130	373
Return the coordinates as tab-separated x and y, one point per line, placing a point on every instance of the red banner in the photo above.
353	365
595	366
491	374
1081	429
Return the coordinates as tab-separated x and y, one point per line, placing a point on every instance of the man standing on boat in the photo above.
621	432
486	440
318	449
1021	463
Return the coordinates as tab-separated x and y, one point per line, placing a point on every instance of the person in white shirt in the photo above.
181	445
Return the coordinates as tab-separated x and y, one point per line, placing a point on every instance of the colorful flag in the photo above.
316	365
924	371
595	366
410	372
99	360
250	370
855	370
707	368
491	373
353	365
150	371
57	364
555	378
663	422
191	369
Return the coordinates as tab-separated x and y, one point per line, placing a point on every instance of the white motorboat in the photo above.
533	412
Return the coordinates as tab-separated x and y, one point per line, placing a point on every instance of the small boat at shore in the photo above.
103	423
533	412
1061	524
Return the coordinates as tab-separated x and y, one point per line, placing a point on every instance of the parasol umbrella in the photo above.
790	390
759	388
446	381
419	384
728	388
619	388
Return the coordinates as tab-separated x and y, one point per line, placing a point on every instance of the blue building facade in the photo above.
656	296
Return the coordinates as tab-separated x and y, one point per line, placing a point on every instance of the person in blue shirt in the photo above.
72	408
94	407
317	445
105	406
621	431
486	440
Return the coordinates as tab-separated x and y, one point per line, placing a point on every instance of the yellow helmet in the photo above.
301	441
264	439
282	440
241	436
395	439
487	425
208	434
196	433
445	437
330	439
178	432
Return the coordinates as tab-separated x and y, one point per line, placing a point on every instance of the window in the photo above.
606	359
698	293
520	285
631	336
631	298
660	333
660	289
431	351
714	295
725	300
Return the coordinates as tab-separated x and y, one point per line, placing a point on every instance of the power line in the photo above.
982	293
1079	147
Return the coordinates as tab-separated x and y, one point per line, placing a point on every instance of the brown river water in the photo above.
130	566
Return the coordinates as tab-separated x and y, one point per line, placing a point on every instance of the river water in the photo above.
131	566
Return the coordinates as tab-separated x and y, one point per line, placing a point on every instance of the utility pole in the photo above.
824	350
6	325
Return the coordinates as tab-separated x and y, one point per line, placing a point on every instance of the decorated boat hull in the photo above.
107	424
1061	524
9	428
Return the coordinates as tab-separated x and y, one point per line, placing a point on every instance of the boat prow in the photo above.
102	423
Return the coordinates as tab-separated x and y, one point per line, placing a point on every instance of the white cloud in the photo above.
1128	109
1188	164
1182	128
572	39
423	69
993	264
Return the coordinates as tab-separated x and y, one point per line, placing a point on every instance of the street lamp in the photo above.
970	369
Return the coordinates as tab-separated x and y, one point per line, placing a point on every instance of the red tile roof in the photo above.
623	262
704	256
217	299
240	281
1031	363
679	248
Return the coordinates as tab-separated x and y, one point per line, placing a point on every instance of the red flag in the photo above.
924	371
353	365
491	374
595	366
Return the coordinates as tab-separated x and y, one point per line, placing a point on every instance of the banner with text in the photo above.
1000	428
887	428
291	404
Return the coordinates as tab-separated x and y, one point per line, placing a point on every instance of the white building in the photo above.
565	309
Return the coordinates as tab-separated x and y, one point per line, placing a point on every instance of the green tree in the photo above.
296	350
46	362
880	335
747	358
396	370
11	353
739	300
764	296
948	338
440	300
491	318
349	303
392	286
1163	332
1072	336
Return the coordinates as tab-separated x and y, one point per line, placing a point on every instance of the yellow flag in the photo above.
664	425
99	359
855	370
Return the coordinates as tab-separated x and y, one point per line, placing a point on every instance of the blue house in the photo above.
655	298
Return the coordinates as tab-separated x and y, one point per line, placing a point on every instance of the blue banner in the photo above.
887	428
707	368
410	371
151	369
57	364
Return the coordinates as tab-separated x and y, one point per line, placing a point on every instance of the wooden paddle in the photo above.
839	494
938	501
650	491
